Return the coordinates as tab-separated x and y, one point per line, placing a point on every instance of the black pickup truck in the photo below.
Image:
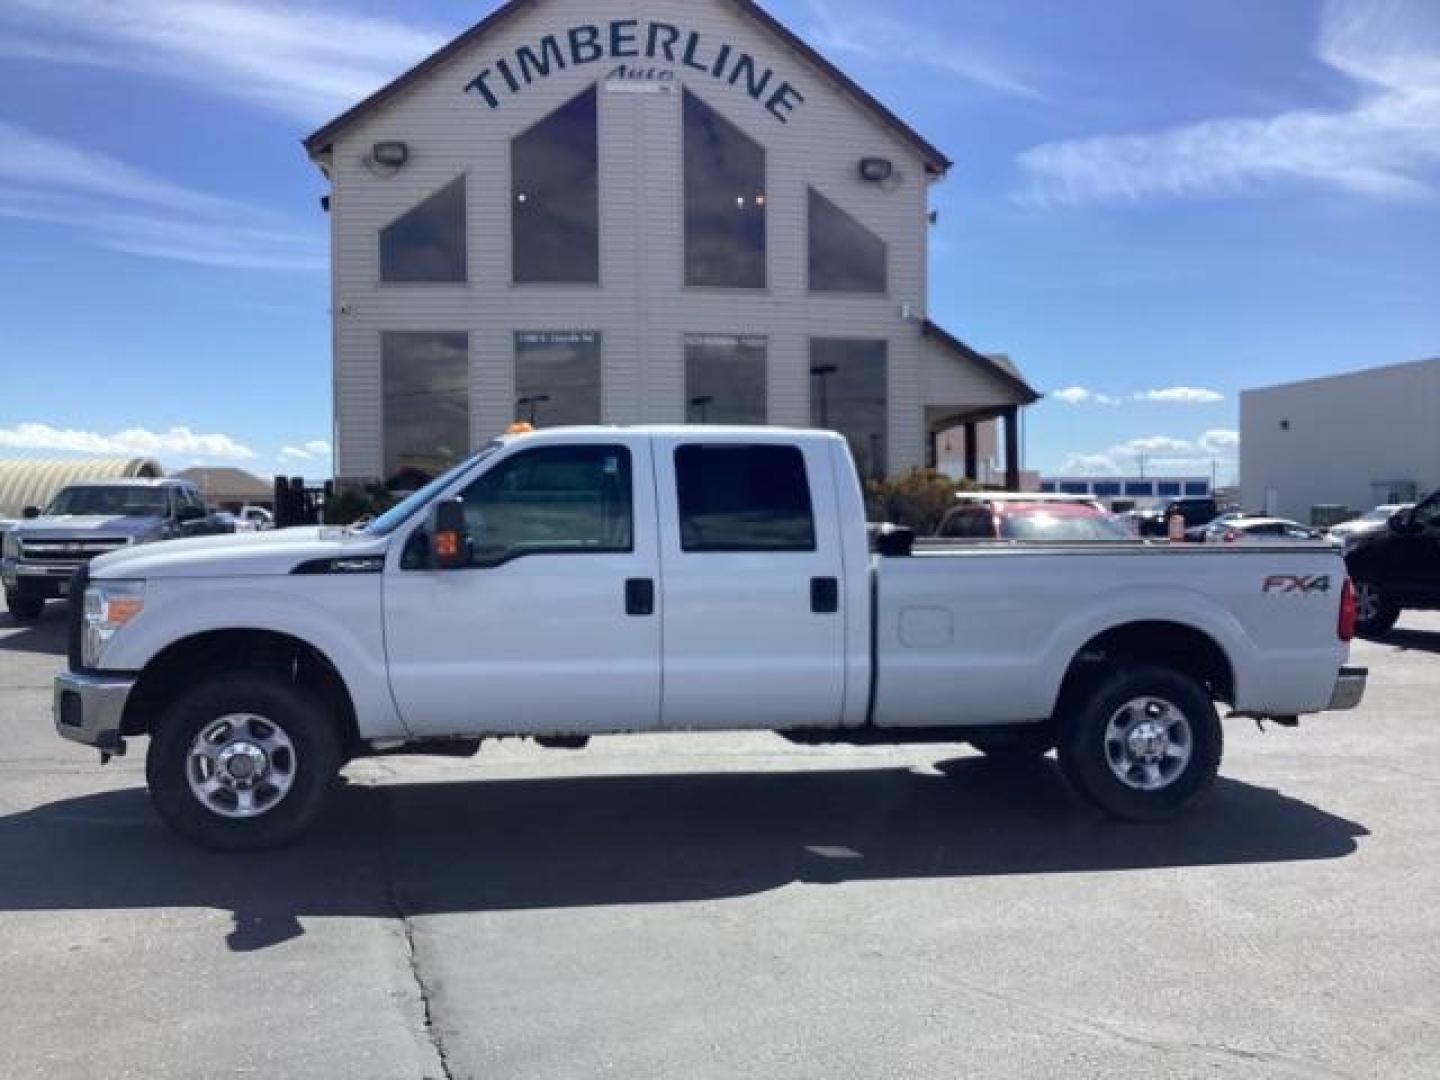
1397	567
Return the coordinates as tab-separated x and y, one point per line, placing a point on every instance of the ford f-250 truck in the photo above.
577	582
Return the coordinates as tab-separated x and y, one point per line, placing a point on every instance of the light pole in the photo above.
823	373
701	405
530	403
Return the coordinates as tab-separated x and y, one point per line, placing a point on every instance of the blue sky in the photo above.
1153	207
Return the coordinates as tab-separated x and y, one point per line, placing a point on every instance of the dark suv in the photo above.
1397	567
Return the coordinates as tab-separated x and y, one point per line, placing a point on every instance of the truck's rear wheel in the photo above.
242	761
1375	614
1027	743
23	607
1145	745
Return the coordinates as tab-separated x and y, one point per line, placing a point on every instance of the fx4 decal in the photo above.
1301	584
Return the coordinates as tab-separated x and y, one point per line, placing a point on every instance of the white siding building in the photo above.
631	211
1357	440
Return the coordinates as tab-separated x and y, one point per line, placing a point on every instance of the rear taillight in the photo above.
1230	536
1345	627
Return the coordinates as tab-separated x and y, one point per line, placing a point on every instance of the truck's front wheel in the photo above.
1145	745
242	761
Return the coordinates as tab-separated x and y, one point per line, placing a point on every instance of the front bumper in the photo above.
89	708
1349	688
49	577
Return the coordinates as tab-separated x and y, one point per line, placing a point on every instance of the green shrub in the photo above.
917	499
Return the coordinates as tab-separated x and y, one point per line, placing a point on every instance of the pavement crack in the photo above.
403	914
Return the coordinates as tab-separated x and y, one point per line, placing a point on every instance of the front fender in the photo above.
338	615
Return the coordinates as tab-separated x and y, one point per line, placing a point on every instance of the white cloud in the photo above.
1182	395
1382	145
855	29
1080	395
1160	453
305	62
314	450
1222	441
132	441
123	208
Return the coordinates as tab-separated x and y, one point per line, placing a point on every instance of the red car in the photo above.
1019	518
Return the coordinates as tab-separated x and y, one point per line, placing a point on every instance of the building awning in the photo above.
35	481
1011	387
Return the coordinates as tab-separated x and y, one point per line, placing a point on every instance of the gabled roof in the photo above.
1004	371
938	163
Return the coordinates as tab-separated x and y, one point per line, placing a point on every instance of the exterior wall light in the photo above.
876	170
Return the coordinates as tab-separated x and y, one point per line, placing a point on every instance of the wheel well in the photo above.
1172	645
188	661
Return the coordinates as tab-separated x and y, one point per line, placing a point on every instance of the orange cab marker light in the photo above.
520	427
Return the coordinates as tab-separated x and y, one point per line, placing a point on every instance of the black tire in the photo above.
1375	613
1026	744
1152	693
24	609
311	762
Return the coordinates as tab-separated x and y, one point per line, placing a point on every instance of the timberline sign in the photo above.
650	45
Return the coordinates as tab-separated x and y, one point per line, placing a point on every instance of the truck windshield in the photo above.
407	508
110	500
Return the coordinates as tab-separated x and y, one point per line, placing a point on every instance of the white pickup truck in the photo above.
589	581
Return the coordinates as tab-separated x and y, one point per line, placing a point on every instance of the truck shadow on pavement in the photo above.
46	636
396	850
1407	640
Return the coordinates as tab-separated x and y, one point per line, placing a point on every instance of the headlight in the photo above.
8	544
109	605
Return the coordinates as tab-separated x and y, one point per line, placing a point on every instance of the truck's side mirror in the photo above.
449	548
30	513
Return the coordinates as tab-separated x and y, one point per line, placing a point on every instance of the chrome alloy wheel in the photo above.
1148	743
1367	602
240	766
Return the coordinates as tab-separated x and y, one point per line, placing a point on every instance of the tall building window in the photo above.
848	394
845	256
724	201
557	377
555	193
427	244
426	397
724	379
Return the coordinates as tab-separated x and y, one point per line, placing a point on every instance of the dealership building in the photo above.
639	211
1358	440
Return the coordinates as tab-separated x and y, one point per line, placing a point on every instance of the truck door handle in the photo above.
640	596
824	595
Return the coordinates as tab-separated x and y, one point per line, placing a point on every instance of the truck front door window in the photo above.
552	500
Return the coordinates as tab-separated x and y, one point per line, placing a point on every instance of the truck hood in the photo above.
236	554
68	526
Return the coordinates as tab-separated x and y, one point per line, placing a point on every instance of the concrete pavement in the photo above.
732	906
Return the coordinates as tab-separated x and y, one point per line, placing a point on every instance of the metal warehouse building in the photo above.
1358	440
632	211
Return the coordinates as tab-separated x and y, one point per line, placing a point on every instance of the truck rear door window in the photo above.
743	498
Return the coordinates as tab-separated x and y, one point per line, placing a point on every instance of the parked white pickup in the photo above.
578	582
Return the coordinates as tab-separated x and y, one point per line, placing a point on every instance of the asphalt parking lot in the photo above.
727	906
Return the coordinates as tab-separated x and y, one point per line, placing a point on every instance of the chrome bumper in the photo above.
1349	688
88	708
